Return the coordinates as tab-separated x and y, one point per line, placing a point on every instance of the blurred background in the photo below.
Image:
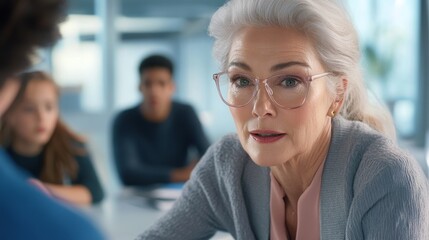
104	40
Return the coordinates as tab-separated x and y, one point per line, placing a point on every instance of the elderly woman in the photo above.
312	158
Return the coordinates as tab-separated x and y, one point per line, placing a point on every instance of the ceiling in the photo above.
171	17
152	8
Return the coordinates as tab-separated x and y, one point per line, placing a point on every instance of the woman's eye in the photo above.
241	82
290	81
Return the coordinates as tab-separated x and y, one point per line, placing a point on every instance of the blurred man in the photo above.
151	141
26	212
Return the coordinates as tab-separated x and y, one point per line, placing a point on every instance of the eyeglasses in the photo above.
288	91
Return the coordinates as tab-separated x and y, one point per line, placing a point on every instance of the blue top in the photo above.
27	213
146	152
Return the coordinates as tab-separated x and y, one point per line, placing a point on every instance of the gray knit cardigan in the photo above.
370	190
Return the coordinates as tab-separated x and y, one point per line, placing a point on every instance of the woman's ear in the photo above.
339	99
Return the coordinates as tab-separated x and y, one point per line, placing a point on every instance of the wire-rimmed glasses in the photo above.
288	91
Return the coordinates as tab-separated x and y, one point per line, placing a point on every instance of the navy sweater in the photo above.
146	152
86	175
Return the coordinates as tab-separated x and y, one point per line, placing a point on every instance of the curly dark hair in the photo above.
26	25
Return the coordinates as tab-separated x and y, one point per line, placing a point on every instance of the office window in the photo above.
388	32
76	64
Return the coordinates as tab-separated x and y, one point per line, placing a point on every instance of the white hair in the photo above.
328	26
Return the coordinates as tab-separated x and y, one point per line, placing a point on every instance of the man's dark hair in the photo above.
24	26
156	61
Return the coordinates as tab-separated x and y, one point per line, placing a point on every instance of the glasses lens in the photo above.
288	91
236	89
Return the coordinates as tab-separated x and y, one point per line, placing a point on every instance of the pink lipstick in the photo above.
266	136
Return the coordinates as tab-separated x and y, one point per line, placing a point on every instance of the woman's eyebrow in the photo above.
274	68
281	66
240	65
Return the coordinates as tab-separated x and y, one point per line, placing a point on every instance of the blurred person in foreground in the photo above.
151	141
313	158
40	143
26	212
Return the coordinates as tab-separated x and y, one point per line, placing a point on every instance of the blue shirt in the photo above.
146	152
27	213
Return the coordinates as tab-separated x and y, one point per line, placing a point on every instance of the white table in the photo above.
126	216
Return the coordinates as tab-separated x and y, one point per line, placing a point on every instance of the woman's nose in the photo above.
262	105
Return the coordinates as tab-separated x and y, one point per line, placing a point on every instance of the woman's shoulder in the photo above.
229	146
358	138
226	157
364	141
373	157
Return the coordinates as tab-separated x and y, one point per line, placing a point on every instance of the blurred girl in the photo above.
40	143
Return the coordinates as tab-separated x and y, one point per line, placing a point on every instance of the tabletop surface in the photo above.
127	215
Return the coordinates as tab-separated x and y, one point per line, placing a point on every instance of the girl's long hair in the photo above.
64	145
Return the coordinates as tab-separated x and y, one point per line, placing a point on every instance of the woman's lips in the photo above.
266	136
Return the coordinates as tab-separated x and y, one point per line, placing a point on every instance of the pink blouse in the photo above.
308	225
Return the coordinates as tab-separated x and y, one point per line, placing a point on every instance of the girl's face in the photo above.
35	117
